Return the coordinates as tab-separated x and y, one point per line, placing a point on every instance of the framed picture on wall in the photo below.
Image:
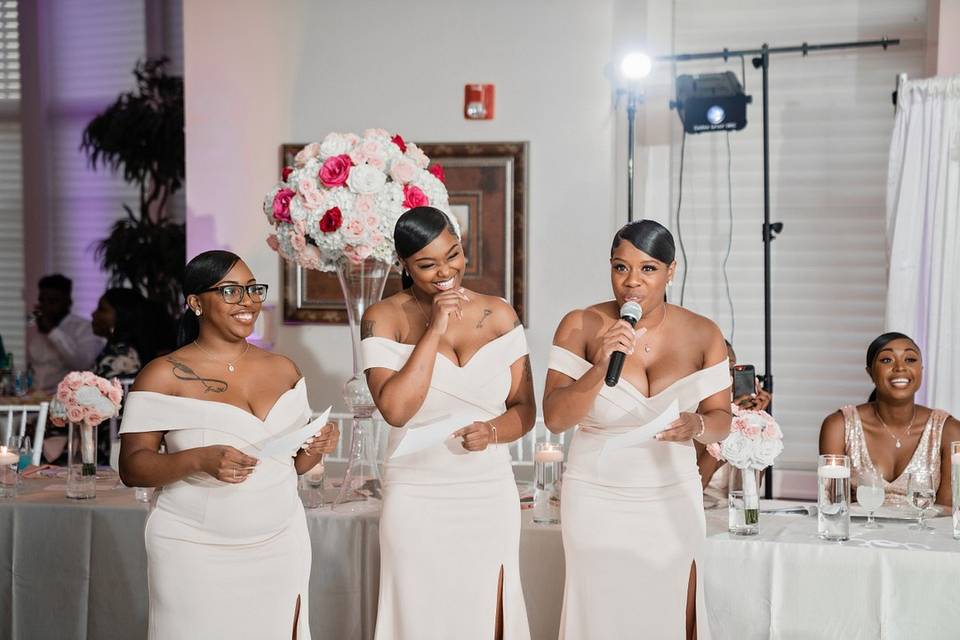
487	185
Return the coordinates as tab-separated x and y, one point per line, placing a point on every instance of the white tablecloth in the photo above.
77	569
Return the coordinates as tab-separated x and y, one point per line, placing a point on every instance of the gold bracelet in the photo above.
703	426
494	429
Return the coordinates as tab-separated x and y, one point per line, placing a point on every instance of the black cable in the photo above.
683	251
726	278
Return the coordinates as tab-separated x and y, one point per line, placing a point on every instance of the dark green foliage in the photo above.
141	134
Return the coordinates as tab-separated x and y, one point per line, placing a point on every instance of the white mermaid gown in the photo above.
225	560
632	521
451	518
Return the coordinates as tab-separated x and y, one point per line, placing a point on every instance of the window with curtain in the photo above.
12	307
831	119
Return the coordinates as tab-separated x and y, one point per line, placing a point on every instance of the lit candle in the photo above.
316	473
8	457
548	455
835	471
955	458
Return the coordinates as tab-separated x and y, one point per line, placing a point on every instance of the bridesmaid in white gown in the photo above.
632	518
450	525
228	554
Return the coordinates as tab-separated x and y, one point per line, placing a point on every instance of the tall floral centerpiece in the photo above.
754	442
335	210
83	401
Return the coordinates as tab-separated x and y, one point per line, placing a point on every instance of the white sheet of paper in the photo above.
286	445
434	433
644	433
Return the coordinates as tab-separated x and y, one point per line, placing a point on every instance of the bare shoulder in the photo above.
382	318
833	421
494	311
701	331
277	366
159	376
580	326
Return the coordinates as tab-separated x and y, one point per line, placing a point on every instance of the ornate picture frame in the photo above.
487	185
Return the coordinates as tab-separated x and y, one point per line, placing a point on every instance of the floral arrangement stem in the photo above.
751	498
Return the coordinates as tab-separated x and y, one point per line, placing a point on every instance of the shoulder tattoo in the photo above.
183	372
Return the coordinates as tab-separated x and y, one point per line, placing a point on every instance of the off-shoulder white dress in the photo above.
225	560
632	519
451	518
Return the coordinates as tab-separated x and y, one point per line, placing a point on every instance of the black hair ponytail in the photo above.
415	229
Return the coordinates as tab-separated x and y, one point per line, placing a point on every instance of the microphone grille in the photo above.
631	309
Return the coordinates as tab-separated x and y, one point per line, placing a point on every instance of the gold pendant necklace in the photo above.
646	347
884	424
230	365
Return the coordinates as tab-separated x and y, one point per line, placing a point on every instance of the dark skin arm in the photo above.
832	439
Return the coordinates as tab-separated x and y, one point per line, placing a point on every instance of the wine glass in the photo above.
311	487
870	494
922	495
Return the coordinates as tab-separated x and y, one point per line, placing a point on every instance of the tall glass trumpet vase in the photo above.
362	284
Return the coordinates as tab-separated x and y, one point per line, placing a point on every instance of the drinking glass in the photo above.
833	497
922	495
955	486
547	470
870	494
311	487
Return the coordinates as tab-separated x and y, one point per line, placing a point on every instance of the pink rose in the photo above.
72	382
372	133
116	395
438	173
298	242
354	229
414	197
331	220
364	204
335	170
715	450
371	221
356	254
75	414
375	238
281	205
309	152
398	140
94	418
300	227
377	162
309	257
58	421
416	154
272	242
751	431
307	183
64	394
363	251
403	171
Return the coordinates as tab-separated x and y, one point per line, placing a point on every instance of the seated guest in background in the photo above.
63	342
715	484
890	433
119	318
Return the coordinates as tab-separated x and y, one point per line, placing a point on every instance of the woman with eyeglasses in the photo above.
227	546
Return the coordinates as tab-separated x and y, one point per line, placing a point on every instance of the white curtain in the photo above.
923	231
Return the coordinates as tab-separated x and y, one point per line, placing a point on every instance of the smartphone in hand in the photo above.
744	380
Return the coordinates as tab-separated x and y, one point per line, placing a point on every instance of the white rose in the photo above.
334	144
766	451
87	395
737	450
366	179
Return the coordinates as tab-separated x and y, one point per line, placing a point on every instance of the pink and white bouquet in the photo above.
83	398
754	442
341	199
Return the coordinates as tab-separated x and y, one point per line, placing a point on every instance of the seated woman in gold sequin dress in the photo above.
890	433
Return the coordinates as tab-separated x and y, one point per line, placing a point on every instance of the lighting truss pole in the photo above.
633	98
761	60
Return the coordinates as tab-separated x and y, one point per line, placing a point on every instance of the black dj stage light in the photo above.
711	102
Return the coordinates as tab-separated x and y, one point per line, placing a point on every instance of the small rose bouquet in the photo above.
341	198
754	442
86	400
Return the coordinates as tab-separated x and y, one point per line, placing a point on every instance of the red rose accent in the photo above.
331	220
397	140
286	173
414	197
281	205
438	173
335	170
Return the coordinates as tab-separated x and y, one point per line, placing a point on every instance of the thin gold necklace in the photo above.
646	347
884	424
230	365
426	319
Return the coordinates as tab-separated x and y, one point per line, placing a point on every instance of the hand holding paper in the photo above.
286	445
421	437
645	433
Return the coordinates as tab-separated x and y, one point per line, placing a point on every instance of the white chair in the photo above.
24	411
126	383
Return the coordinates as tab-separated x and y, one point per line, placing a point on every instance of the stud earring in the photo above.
198	312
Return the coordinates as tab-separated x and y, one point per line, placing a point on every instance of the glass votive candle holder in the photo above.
547	470
311	487
9	473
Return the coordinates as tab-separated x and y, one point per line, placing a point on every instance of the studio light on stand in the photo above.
634	67
711	102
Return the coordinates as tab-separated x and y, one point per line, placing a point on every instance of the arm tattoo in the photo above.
486	314
527	373
366	329
183	372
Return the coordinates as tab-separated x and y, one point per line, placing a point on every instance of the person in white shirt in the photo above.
62	342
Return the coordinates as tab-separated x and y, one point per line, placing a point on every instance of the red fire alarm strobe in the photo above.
478	101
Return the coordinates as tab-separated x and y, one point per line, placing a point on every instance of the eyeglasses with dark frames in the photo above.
233	293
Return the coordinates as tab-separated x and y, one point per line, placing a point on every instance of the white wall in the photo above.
260	74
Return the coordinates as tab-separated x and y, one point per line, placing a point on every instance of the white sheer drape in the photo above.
923	225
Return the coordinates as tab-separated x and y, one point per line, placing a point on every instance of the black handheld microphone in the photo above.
631	312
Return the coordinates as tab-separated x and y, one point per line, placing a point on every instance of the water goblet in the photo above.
922	495
870	494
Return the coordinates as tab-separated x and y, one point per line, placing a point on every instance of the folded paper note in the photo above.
433	433
287	444
645	433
